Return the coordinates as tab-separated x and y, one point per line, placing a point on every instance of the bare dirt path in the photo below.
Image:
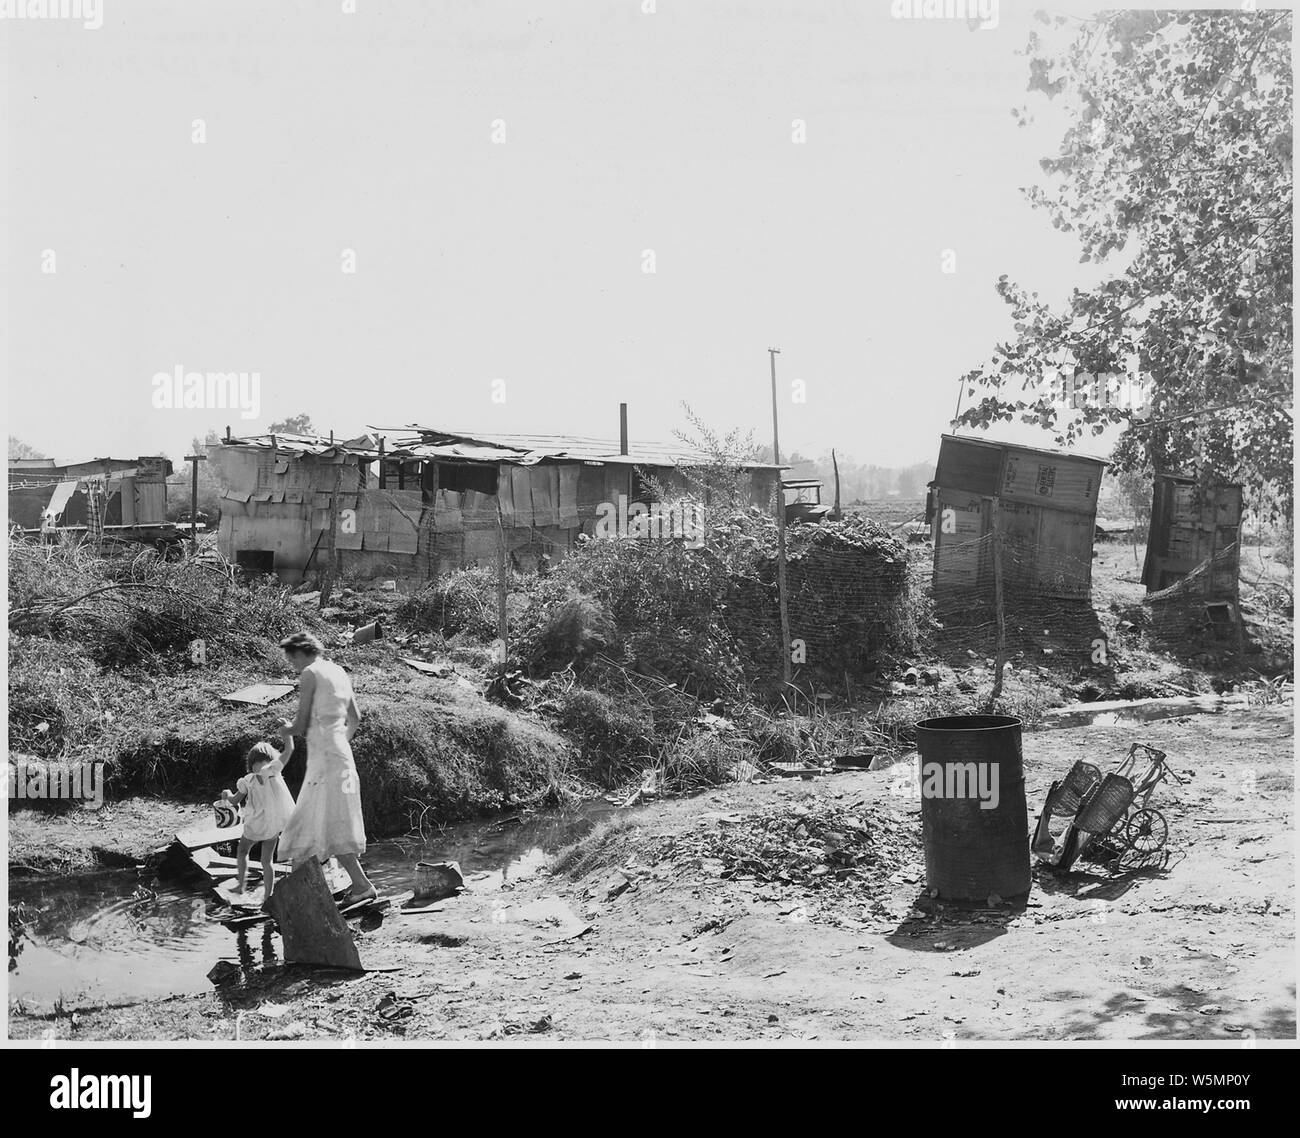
1204	950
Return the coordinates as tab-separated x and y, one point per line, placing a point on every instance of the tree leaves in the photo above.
1179	156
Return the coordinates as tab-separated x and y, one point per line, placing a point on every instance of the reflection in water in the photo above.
1138	711
120	935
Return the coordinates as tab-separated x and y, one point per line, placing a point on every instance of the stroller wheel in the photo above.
1146	831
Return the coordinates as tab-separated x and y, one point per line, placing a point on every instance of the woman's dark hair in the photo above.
303	642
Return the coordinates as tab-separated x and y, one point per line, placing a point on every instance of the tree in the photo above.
20	449
293	425
721	482
1179	158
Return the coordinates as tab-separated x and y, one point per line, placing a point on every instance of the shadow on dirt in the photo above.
935	926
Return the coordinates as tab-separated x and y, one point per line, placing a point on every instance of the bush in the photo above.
649	606
136	609
461	602
614	741
570	631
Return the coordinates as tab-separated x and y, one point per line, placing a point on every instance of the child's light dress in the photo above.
268	804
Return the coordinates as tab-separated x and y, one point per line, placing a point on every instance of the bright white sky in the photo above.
519	261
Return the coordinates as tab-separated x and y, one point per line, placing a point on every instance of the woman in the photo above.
327	819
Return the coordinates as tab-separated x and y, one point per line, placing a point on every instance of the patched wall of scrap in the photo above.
278	527
416	528
1042	505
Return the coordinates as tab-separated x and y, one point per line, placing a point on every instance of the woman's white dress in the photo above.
327	819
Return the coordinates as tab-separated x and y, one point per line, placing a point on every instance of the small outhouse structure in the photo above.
1192	524
1042	504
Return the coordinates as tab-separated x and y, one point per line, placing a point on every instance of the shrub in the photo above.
461	602
136	609
614	740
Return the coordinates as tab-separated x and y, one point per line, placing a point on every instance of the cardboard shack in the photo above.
1041	503
416	502
123	496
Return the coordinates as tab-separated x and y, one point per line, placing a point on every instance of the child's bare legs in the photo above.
268	865
360	882
241	864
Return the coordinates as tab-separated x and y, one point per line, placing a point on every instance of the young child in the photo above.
267	806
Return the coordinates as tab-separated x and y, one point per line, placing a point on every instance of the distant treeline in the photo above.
859	481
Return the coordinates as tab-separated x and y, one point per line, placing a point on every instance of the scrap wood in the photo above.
313	930
426	667
196	837
260	695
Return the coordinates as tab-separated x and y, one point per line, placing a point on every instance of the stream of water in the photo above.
121	935
127	935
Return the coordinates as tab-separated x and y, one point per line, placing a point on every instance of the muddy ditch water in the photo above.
1113	713
118	936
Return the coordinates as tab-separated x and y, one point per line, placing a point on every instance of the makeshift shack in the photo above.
112	495
1193	561
1042	504
415	502
1192	524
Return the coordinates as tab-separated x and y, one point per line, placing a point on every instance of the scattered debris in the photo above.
259	695
439	670
224	972
435	881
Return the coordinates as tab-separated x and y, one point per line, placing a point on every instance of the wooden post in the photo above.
313	930
501	585
780	531
836	467
383	482
194	460
332	566
1001	661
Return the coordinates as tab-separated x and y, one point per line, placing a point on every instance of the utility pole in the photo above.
194	460
780	531
1001	663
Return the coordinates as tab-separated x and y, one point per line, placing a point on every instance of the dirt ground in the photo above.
1201	950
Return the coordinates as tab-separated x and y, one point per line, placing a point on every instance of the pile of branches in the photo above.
131	607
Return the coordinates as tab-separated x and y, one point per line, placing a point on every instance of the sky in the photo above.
497	177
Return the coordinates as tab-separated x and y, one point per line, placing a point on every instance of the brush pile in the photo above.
135	608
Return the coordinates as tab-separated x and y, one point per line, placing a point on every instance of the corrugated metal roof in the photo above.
529	448
308	444
413	441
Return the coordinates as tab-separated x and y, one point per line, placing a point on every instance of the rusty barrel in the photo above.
974	822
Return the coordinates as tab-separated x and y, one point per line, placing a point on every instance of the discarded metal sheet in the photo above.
400	541
196	837
259	694
426	667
